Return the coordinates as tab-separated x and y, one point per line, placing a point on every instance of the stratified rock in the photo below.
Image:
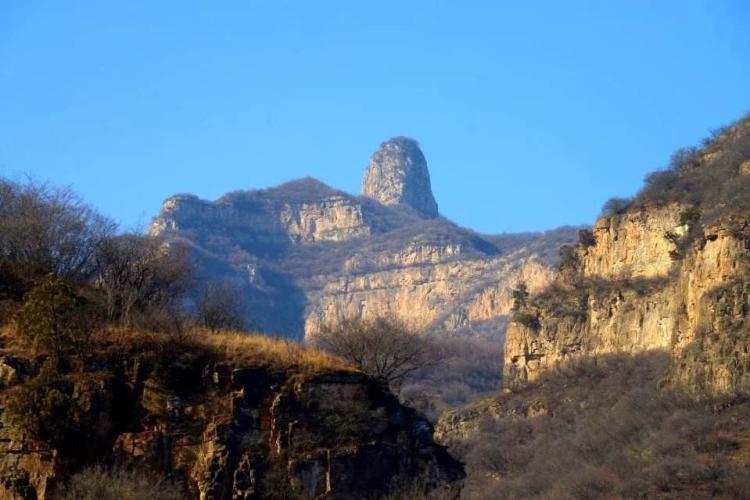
243	432
306	254
657	277
398	174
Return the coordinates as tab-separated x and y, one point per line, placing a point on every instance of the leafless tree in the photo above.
48	230
383	348
137	272
220	307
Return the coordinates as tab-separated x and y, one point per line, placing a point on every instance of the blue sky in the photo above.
530	114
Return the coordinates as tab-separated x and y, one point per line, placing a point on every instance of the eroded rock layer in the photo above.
306	255
230	431
672	276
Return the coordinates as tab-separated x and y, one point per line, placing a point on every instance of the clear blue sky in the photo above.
531	114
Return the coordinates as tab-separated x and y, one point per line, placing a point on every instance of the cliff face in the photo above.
229	429
306	255
628	293
398	174
667	276
325	216
450	296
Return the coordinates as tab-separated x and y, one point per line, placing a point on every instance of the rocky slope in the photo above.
288	422
671	276
306	254
668	274
650	306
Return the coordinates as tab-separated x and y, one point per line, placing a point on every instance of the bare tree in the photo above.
383	348
137	272
47	230
220	307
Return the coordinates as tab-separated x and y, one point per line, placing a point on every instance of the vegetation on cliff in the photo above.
628	376
601	427
109	388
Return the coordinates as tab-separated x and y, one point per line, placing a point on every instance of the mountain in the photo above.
670	272
305	254
630	374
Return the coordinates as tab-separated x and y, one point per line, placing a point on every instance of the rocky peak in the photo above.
398	174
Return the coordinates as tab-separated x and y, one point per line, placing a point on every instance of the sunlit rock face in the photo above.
655	277
307	255
225	436
398	174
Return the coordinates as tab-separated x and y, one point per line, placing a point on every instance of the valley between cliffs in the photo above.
306	255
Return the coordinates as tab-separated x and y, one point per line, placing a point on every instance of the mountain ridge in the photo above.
309	254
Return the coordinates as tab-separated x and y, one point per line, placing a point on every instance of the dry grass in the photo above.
255	349
240	349
604	429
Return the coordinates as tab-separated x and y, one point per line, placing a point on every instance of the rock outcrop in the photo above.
228	430
398	174
305	254
671	276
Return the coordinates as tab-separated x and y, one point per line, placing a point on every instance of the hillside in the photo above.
212	416
113	387
306	255
632	367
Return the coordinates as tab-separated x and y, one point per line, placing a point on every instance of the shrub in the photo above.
605	430
136	274
220	308
707	177
586	238
99	483
54	319
568	258
683	157
44	407
383	348
520	295
614	206
46	230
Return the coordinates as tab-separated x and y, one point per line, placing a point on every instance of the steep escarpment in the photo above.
669	272
305	255
628	376
224	417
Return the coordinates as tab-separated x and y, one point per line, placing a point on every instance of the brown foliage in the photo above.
220	307
99	483
46	230
54	320
136	273
603	428
466	369
383	348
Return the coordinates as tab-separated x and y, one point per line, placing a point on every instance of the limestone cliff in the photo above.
398	174
306	254
669	273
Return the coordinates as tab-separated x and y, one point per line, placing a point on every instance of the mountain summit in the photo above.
398	174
